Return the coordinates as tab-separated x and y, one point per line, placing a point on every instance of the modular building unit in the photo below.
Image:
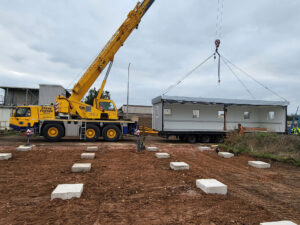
209	119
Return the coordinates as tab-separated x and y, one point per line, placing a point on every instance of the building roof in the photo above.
12	87
125	105
221	101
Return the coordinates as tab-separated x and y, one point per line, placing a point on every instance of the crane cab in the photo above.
28	116
107	108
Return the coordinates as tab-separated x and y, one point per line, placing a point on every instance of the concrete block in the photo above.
5	156
259	164
23	148
67	191
225	154
204	148
81	167
92	149
152	149
179	166
211	186
284	222
162	155
214	146
88	155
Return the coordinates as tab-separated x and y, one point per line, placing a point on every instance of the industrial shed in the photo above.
173	115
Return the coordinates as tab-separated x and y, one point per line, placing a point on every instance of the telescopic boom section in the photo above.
109	51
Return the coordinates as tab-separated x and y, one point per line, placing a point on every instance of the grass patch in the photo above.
277	147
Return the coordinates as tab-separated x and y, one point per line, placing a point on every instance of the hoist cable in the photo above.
187	75
252	78
220	9
243	84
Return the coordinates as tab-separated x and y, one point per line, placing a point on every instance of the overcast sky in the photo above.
53	42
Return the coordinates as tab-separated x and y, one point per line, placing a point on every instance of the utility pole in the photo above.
128	91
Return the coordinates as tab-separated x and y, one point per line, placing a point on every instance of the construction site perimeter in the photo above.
126	187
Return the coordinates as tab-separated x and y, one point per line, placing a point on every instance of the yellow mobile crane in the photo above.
70	116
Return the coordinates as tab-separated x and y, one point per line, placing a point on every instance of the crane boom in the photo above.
109	51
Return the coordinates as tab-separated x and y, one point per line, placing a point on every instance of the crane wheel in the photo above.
53	132
192	139
92	132
205	139
111	133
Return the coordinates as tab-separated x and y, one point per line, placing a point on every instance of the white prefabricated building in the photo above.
173	114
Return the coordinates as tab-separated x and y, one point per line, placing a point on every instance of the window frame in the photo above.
248	115
273	115
219	115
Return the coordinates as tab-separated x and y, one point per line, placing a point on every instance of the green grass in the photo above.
277	147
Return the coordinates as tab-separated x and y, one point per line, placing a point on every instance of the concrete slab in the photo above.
5	156
283	222
225	154
211	186
214	146
204	148
179	166
162	155
92	149
23	148
81	167
67	191
152	149
259	164
88	155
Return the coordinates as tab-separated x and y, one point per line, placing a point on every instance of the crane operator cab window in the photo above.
106	106
23	112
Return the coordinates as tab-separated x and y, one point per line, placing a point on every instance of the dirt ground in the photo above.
126	187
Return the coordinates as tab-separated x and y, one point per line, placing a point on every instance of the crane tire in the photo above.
92	132
53	132
111	133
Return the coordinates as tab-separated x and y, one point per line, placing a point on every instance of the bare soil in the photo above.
126	187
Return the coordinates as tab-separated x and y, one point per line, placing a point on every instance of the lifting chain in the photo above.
217	43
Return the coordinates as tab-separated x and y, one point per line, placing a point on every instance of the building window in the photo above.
167	112
220	114
246	115
196	113
271	116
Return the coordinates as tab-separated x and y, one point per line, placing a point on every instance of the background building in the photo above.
143	112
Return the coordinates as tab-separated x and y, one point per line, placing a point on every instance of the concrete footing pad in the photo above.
23	148
81	167
67	191
204	148
259	164
226	155
162	155
92	149
152	149
88	155
179	166
284	222
5	156
211	186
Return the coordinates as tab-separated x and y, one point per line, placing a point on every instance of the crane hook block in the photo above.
217	43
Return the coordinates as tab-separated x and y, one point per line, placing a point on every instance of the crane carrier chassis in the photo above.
87	130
